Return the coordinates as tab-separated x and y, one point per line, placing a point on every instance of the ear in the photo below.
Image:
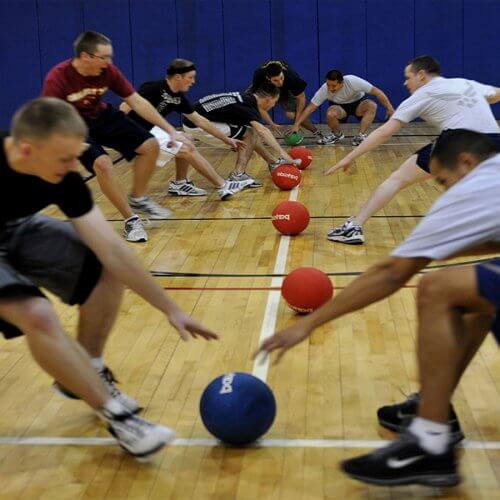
26	149
467	160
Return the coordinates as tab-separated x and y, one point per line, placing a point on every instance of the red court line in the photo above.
241	289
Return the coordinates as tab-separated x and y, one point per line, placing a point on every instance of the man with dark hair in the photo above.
346	96
83	262
456	308
82	81
167	95
446	103
292	96
237	116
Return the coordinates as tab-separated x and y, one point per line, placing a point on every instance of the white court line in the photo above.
261	363
265	443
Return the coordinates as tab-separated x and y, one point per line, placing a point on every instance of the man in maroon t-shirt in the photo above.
82	81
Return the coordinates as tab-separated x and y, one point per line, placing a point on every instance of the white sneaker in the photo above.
331	139
319	136
232	187
276	164
134	230
358	139
135	435
149	208
185	188
348	233
243	176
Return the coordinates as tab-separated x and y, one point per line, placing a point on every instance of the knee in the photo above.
290	115
331	114
371	108
431	290
38	317
149	147
103	166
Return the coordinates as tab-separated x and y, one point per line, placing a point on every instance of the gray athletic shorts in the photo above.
39	251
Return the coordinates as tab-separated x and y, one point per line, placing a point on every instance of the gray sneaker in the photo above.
244	177
232	187
358	139
185	188
149	208
134	230
331	139
276	164
348	233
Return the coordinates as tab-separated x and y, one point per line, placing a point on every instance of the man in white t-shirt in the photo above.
346	96
457	306
446	103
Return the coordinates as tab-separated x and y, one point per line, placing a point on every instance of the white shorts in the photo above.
166	153
233	131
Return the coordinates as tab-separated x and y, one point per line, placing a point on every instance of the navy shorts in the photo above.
488	283
424	154
112	129
39	251
350	108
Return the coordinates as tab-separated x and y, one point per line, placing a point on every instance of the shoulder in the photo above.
59	68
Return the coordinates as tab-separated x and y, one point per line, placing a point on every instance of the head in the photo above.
267	95
334	80
48	135
274	73
456	153
420	71
181	75
94	51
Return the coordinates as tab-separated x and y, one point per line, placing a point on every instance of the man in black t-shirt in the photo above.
237	116
77	261
166	96
292	96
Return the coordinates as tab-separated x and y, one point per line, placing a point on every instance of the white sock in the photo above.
433	437
112	407
140	198
98	364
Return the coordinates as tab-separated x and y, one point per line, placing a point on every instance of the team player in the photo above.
346	95
167	95
445	103
292	96
237	116
83	262
456	308
82	81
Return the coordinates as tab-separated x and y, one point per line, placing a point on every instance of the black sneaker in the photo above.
109	380
404	462
397	417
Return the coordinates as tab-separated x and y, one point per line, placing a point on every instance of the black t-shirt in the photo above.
22	194
159	94
292	83
233	108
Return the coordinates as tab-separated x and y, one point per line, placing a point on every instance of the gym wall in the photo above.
228	39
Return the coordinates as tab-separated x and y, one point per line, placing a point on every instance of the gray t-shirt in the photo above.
450	103
464	216
353	90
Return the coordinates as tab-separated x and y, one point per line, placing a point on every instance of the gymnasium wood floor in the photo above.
218	259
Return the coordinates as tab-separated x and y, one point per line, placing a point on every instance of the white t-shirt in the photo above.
465	216
449	103
353	90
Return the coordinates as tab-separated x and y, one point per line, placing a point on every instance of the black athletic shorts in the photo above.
349	108
424	153
112	129
39	251
488	284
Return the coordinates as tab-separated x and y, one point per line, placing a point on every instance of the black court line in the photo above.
269	218
172	274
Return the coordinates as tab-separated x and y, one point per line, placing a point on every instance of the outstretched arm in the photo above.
310	108
267	137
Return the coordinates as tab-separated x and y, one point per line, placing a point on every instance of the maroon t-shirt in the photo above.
85	92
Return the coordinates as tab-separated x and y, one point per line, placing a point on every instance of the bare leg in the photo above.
185	158
307	124
262	151
250	139
110	185
57	353
444	342
144	166
98	314
406	175
333	115
366	110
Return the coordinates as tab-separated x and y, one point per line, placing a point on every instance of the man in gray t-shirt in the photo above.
346	95
446	103
457	306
